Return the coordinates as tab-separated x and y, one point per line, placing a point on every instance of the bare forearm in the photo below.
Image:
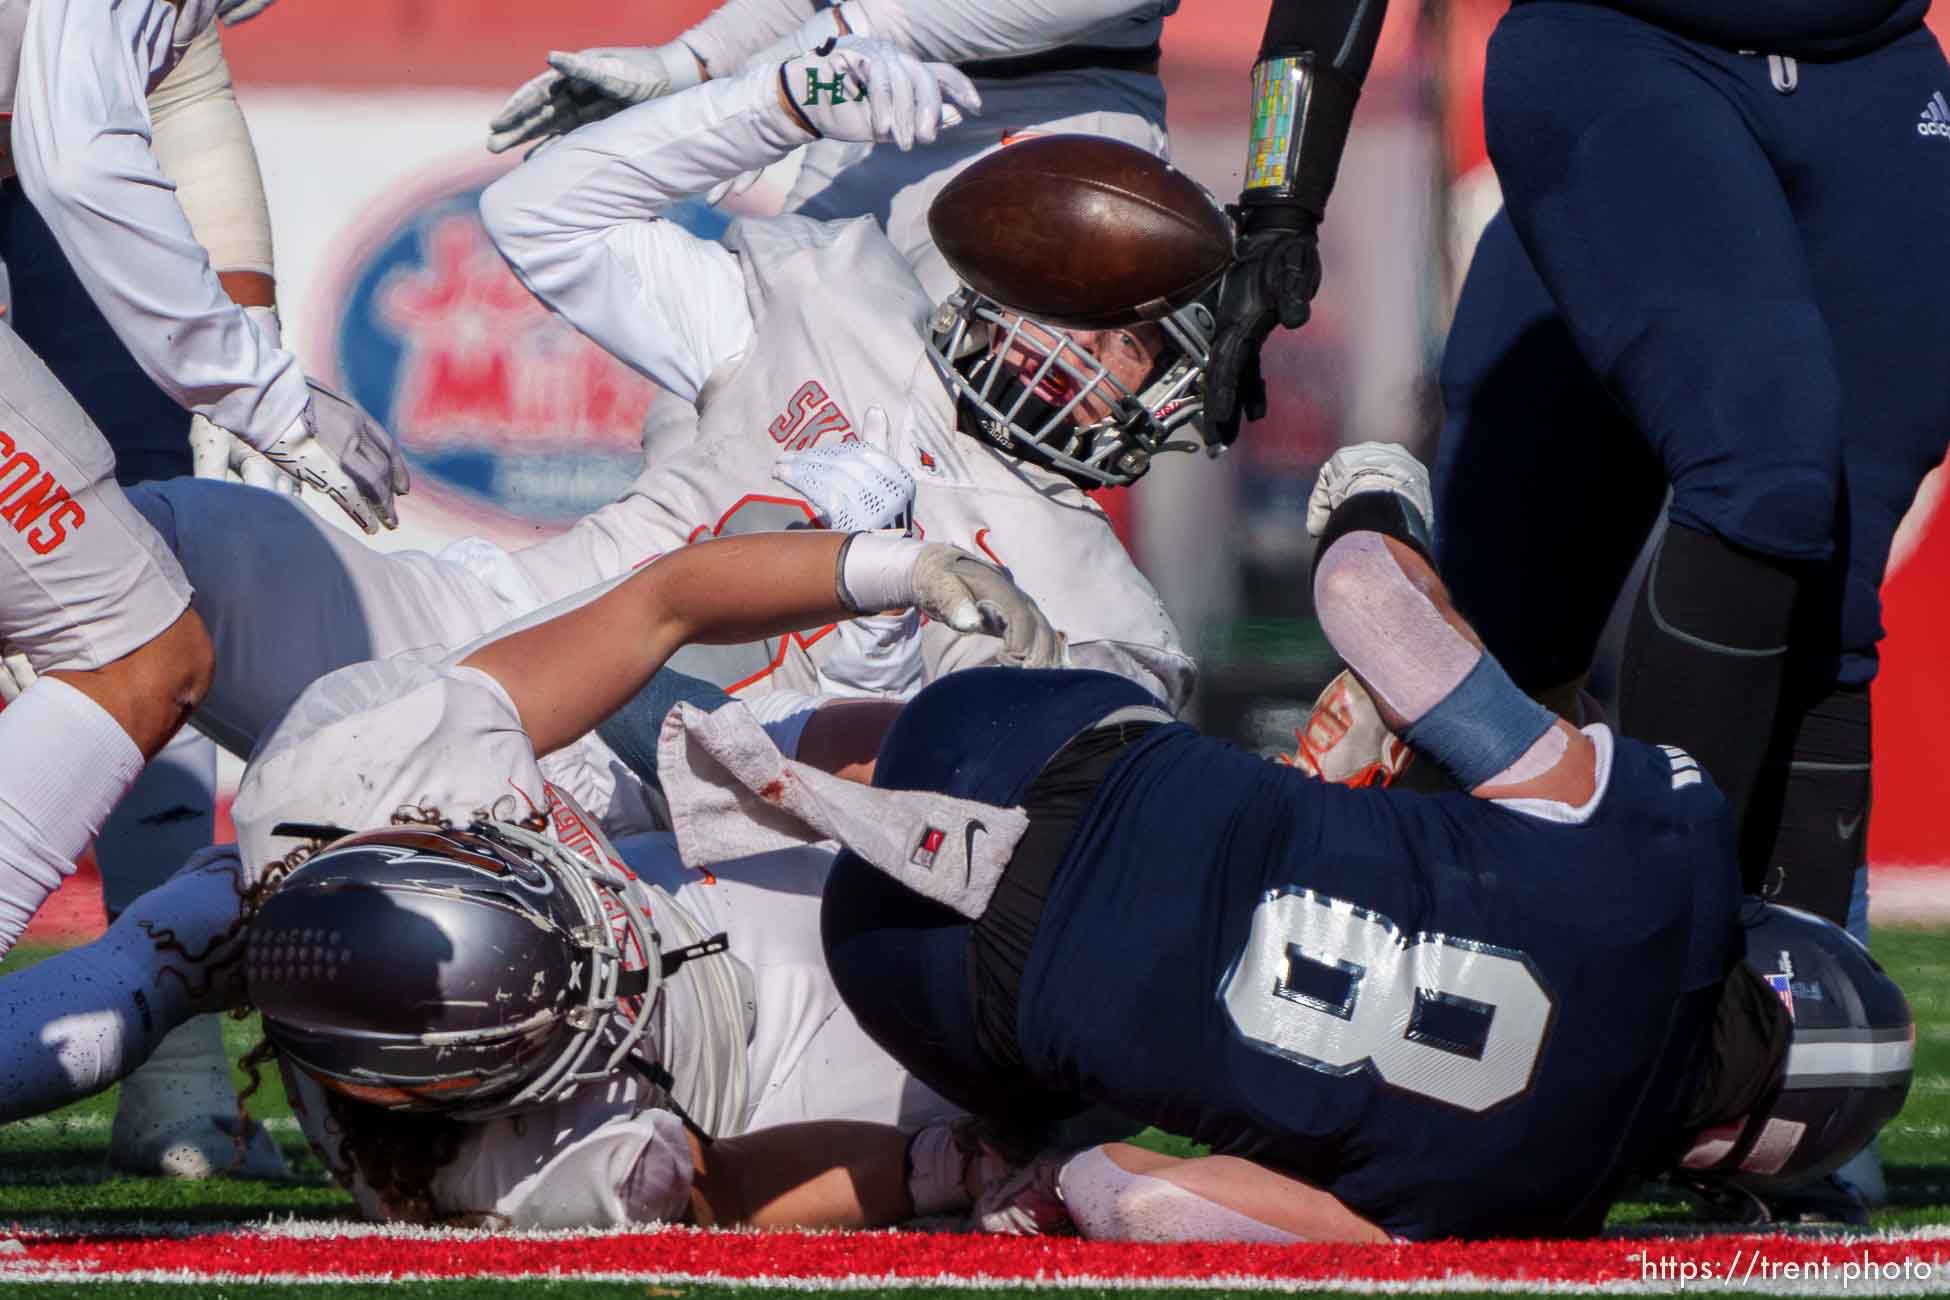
833	1174
571	672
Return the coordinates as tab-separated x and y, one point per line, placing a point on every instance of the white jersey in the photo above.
77	74
784	338
419	730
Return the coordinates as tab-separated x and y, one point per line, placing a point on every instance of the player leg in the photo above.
177	1115
93	599
84	1018
936	991
1637	183
1847	129
1544	490
288	598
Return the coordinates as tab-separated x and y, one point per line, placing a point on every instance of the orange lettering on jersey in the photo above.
19	468
27	507
809	416
55	531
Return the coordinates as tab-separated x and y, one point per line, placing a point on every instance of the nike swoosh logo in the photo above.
181	812
1846	829
973	829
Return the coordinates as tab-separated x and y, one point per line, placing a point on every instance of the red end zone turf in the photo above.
1907	1264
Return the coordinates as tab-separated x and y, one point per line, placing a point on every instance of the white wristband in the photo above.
876	571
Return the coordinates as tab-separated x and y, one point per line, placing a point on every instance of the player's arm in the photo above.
202	144
580	222
1312	61
581	225
1126	1193
82	148
590	85
81	137
1389	616
570	671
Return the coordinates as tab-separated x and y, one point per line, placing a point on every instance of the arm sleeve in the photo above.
203	145
738	29
81	139
579	224
960	31
1320	52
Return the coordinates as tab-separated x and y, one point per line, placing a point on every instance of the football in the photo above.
1080	231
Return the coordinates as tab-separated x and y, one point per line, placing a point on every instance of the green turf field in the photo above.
53	1169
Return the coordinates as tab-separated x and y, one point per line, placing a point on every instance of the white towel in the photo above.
732	794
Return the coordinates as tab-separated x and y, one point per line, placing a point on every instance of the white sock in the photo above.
82	1019
67	764
167	815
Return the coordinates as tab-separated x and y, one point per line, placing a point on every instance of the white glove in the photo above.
869	91
16	675
216	453
881	571
233	12
1369	467
591	85
336	447
855	486
1345	742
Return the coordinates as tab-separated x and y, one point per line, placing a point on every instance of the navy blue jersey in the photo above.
1460	1019
1803	28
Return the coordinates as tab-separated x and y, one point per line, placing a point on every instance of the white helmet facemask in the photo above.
971	335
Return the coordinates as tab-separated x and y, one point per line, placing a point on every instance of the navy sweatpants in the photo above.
1716	271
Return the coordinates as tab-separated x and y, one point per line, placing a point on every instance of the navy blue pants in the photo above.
1704	282
902	962
54	316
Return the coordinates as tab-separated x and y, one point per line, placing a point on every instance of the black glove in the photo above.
1274	274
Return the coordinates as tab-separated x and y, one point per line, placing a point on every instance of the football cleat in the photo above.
1345	741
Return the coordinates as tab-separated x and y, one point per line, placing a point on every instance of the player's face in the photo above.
1127	354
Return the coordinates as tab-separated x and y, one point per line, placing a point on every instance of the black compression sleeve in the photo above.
1335	43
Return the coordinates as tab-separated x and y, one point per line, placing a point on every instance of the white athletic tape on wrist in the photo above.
1108	1202
1464	712
876	571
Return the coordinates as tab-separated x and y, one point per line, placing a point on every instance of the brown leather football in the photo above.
1080	231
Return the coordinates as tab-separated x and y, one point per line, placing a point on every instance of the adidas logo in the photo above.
1936	117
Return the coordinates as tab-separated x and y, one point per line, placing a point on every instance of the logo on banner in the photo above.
500	405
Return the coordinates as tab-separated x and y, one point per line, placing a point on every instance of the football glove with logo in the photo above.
869	91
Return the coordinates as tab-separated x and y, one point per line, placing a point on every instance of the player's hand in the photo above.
855	486
217	453
336	447
232	12
1272	281
1369	467
882	571
589	85
864	90
16	675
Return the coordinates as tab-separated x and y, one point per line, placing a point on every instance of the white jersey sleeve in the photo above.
738	29
362	742
81	141
960	31
579	223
